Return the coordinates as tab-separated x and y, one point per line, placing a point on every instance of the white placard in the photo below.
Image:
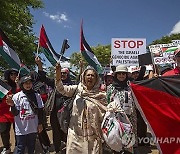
126	50
159	52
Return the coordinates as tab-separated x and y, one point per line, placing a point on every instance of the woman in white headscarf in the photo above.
84	133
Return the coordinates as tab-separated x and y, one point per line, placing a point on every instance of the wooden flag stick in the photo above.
37	52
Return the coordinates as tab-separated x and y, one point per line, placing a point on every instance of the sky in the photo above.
106	19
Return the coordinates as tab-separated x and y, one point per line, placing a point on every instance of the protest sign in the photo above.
164	53
126	50
145	59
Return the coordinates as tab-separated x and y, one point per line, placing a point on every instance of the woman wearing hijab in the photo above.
84	133
27	107
120	89
6	117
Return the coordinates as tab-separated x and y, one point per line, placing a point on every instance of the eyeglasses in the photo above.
63	73
123	73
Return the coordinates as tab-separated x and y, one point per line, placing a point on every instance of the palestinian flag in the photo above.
88	54
171	49
158	100
47	48
8	53
4	89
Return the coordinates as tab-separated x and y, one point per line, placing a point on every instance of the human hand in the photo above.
58	71
17	79
156	75
40	128
39	63
81	63
9	100
17	82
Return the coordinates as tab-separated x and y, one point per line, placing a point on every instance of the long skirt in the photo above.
82	145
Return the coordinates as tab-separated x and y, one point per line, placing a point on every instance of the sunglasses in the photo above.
135	72
123	73
63	73
13	73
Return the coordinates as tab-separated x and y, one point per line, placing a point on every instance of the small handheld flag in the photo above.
47	48
65	46
4	89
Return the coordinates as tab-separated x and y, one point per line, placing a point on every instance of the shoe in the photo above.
6	151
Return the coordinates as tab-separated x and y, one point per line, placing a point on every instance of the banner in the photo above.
158	100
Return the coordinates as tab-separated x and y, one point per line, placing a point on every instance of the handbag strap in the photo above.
73	96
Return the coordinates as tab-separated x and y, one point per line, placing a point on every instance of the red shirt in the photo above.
175	71
5	113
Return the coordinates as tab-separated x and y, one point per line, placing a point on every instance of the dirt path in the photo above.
140	150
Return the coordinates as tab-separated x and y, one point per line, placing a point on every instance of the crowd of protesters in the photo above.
24	107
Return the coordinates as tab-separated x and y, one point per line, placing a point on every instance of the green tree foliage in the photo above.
166	39
103	54
50	71
75	59
17	22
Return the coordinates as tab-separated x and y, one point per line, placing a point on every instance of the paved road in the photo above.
140	150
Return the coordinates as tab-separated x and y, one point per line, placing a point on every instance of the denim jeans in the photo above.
24	141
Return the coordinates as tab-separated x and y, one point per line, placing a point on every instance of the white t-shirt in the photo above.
26	121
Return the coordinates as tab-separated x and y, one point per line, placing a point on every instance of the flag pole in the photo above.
37	53
19	69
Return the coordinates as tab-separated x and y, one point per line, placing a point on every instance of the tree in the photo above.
103	54
50	71
166	39
17	22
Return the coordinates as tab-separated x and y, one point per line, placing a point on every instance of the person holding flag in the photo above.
59	137
84	133
6	117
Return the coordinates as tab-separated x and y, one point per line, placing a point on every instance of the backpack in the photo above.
64	113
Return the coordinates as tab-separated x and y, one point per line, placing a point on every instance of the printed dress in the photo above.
126	103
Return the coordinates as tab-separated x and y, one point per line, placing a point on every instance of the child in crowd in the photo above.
27	107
